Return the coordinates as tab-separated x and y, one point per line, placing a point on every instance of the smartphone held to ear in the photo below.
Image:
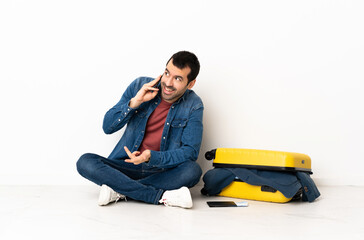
156	85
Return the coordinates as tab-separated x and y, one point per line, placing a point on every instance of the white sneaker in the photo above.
177	198
107	195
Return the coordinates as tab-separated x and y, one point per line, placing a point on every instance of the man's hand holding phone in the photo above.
146	93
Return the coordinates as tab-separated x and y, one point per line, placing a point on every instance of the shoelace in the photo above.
164	201
120	196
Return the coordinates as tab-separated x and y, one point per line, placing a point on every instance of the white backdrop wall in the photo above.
277	75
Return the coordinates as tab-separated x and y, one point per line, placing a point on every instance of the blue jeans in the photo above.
139	182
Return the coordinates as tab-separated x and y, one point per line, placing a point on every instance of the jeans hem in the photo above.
158	197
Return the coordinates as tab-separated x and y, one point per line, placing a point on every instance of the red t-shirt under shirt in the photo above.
153	131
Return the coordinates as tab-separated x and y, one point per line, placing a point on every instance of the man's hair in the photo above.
184	59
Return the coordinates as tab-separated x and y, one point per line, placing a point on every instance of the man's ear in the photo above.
191	84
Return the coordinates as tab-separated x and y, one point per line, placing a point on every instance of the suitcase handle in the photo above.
265	188
210	154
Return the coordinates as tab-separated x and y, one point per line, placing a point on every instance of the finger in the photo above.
152	89
128	152
136	153
134	161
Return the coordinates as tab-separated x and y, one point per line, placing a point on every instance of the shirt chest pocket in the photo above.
179	123
176	130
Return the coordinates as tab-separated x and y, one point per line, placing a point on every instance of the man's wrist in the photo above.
149	155
133	103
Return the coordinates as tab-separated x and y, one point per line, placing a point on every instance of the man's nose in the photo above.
169	81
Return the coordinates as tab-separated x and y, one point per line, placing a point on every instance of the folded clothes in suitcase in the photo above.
266	171
259	159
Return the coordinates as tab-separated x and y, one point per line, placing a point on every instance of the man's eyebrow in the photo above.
177	76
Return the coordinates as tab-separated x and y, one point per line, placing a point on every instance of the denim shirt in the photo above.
182	132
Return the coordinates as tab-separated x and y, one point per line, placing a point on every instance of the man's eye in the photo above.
166	73
179	79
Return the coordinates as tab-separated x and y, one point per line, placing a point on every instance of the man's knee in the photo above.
85	163
195	169
191	173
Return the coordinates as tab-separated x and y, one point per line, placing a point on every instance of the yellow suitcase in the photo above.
259	159
240	189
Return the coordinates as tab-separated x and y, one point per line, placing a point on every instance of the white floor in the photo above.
71	212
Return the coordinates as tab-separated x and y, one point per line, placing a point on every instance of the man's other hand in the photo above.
137	158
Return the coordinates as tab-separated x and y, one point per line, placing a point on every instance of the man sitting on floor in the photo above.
155	159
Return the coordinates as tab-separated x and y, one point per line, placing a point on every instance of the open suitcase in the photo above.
260	160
